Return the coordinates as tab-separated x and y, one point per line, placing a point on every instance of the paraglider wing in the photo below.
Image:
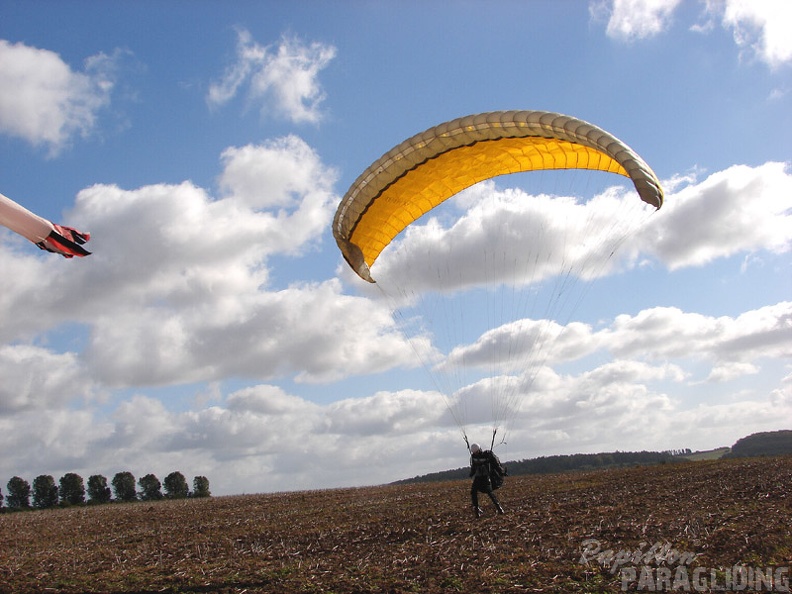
427	169
58	239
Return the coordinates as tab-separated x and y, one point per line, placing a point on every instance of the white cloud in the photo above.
312	332
178	288
18	262
283	79
629	20
262	438
266	400
730	371
37	379
732	346
489	235
738	210
286	178
525	343
514	237
55	441
385	413
180	291
732	343
51	104
761	27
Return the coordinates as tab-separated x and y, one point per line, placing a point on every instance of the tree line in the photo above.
766	443
566	463
71	490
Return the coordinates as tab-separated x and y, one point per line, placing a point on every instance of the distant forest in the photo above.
773	443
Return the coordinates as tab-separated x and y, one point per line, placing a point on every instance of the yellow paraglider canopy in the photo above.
427	169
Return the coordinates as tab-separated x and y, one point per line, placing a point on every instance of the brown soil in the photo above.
415	538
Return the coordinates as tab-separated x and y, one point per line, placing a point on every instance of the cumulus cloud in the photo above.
489	234
178	289
54	441
37	379
738	210
629	20
310	332
259	439
530	259
733	343
492	235
760	27
51	103
530	324
730	371
731	346
181	290
389	413
263	438
525	343
657	334
282	79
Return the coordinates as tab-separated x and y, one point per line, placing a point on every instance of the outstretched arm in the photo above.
46	235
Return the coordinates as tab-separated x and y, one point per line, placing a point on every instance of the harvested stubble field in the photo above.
415	538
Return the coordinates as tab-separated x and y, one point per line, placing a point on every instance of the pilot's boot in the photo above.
497	503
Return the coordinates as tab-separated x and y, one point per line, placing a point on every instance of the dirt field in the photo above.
561	533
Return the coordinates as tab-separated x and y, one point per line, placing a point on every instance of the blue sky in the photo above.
216	330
